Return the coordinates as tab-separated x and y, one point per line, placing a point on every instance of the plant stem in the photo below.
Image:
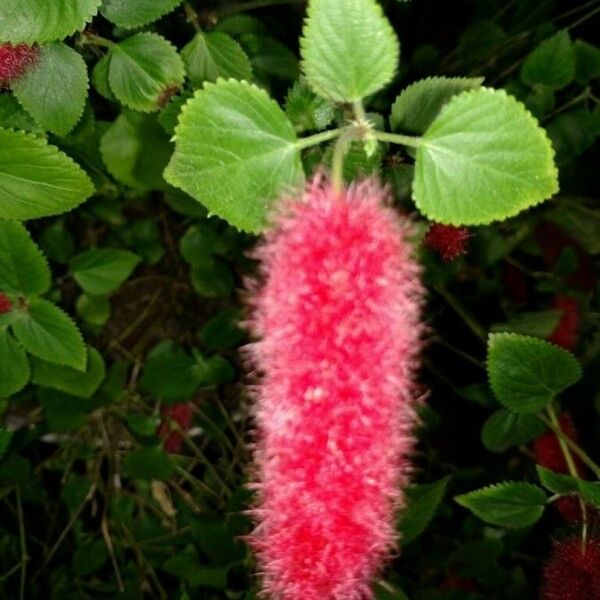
466	316
337	162
96	40
24	555
192	15
319	138
396	138
254	5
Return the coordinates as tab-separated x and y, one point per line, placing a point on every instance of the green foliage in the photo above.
102	271
54	91
14	366
235	176
551	64
483	159
134	13
341	43
526	373
506	428
39	21
36	179
510	504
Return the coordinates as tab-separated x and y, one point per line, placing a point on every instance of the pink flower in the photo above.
181	414
571	572
450	242
5	304
338	322
14	61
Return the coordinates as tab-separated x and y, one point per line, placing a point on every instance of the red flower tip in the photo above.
182	415
337	314
449	241
566	330
548	452
571	572
14	61
5	304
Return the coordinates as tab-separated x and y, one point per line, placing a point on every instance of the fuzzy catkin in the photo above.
337	316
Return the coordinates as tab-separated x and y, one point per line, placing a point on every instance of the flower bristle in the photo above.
448	241
337	317
181	414
5	304
14	61
571	572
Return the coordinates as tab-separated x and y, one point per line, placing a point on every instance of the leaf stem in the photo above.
337	162
192	15
396	138
465	315
95	40
318	138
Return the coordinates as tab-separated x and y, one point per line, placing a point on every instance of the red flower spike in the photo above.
547	448
450	242
338	321
182	415
14	61
565	333
571	572
5	304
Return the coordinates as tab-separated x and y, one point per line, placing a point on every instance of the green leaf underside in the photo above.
66	379
102	271
506	428
14	366
135	13
483	159
54	91
418	104
42	21
526	373
551	64
422	503
511	504
212	55
235	152
37	180
145	70
23	267
49	333
349	49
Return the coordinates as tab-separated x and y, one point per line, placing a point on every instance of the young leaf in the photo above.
557	483
42	21
484	158
422	503
14	366
510	504
145	70
306	110
235	152
506	428
36	180
93	309
212	55
23	268
551	64
66	379
349	49
102	271
55	89
587	62
418	104
526	373
49	333
135	13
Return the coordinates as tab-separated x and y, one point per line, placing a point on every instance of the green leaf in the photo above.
222	331
212	55
590	492
124	148
42	21
212	278
63	412
93	309
551	64
587	62
306	110
349	49
145	70
148	463
557	483
483	159
102	271
135	13
540	323
54	91
14	366
49	333
235	152
14	116
37	180
23	268
572	133
66	379
270	59
418	104
526	373
5	438
171	376
422	503
506	428
510	504
57	241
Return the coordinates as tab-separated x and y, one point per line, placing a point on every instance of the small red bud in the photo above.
566	330
450	242
182	415
5	304
14	61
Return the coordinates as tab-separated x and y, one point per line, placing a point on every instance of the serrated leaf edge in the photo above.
134	24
